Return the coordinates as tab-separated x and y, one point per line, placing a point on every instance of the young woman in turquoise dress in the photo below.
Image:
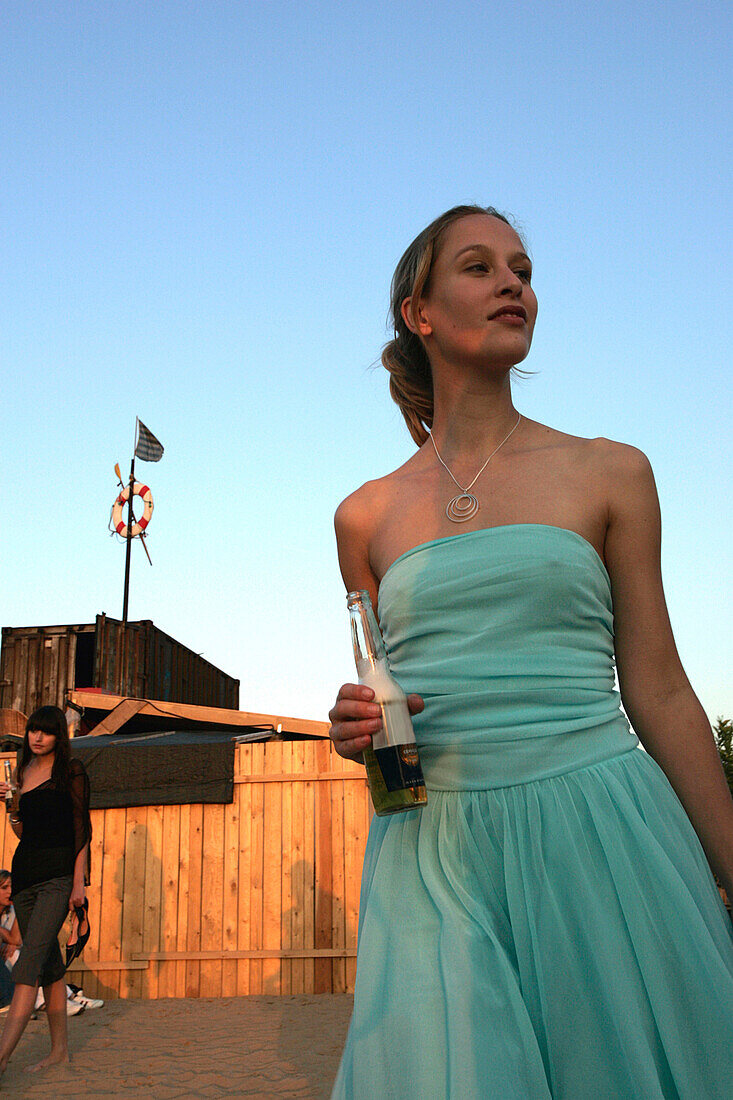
548	926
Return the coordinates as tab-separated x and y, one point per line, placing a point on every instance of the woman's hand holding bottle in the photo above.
355	718
8	789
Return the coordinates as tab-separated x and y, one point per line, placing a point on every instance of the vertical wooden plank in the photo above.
153	894
5	831
309	868
212	897
324	877
355	816
338	926
110	909
195	869
230	909
30	649
134	896
7	654
49	650
10	840
53	660
256	869
297	875
243	791
286	906
272	871
184	859
70	674
170	899
90	981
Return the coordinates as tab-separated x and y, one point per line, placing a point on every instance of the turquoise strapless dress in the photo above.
547	926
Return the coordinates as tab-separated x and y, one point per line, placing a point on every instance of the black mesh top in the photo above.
56	826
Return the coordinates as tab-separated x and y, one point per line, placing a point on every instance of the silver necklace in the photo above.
464	505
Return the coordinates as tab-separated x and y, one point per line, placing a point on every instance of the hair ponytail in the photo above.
404	356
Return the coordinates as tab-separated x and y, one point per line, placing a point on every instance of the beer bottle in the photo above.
392	763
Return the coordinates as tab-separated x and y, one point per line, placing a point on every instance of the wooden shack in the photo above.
259	896
41	664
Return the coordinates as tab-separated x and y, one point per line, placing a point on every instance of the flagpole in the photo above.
128	551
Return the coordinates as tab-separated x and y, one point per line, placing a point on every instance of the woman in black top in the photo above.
49	873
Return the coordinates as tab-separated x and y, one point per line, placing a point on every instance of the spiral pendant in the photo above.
462	507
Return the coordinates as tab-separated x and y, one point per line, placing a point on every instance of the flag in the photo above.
149	449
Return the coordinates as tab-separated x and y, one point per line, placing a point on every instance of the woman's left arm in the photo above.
658	699
78	888
79	790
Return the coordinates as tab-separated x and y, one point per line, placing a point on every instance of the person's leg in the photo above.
16	1020
24	994
55	995
41	910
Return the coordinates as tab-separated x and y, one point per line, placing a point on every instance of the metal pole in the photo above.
129	544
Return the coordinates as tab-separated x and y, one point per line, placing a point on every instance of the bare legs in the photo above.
19	1013
55	996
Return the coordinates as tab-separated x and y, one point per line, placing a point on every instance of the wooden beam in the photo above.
118	964
94	700
116	718
264	953
300	777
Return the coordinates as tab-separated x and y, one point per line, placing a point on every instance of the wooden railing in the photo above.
259	896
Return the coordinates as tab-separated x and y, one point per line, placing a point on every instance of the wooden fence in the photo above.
259	896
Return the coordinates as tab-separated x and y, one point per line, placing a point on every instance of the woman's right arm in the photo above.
355	717
13	818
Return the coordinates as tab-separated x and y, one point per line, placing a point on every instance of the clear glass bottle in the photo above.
392	762
10	793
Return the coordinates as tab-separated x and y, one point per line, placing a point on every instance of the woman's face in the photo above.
5	890
479	306
41	744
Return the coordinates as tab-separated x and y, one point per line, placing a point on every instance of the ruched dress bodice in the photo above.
547	927
510	643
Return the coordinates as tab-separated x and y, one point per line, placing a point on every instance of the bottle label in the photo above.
400	767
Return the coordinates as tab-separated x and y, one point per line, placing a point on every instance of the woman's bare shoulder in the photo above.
622	469
357	519
360	512
608	455
623	457
354	514
354	523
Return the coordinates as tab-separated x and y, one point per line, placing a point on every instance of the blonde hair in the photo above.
411	380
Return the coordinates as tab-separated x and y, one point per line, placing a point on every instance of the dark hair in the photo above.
411	379
49	720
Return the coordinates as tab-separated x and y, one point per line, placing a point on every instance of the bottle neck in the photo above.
369	651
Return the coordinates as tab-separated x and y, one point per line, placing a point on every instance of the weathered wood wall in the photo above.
260	896
38	664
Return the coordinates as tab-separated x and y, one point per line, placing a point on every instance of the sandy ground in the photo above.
253	1047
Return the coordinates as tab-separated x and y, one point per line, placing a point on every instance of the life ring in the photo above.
138	490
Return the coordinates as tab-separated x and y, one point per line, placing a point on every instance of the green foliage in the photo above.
723	733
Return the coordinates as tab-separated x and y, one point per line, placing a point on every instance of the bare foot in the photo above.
51	1059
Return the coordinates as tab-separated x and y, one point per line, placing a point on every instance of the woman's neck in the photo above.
470	420
44	764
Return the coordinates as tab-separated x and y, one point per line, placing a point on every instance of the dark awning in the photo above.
160	769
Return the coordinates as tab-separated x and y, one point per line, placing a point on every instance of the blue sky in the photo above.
203	206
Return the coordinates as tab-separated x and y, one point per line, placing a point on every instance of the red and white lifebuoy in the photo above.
138	490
